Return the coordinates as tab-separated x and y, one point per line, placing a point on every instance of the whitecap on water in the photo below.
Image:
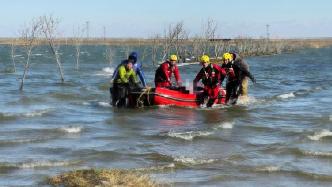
286	96
107	71
194	161
267	168
26	113
71	129
36	113
37	54
188	135
317	153
226	125
163	106
246	100
39	112
157	168
214	107
318	88
86	103
39	164
104	104
318	135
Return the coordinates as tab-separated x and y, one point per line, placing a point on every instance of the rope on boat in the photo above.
140	101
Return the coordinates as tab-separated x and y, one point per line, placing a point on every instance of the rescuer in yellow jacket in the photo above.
124	81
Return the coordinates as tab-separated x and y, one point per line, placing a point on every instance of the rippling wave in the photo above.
317	153
107	71
313	176
194	161
267	168
321	134
39	164
35	113
286	96
66	96
190	135
7	116
35	164
170	166
97	104
299	173
71	129
38	135
225	125
8	143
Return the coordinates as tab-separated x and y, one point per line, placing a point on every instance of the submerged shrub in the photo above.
102	177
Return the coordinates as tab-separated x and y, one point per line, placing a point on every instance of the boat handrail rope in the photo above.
140	102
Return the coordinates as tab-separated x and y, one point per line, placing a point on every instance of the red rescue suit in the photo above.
212	77
164	73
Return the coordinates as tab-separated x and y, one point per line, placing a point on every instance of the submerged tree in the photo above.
49	28
173	39
144	53
156	42
78	39
12	52
29	36
109	54
127	49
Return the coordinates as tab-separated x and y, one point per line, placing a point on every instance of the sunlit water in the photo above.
281	137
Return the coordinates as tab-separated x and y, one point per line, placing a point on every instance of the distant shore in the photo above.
309	42
188	48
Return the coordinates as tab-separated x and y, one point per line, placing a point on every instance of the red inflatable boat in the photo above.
171	96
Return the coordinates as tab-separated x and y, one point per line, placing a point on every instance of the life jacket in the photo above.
125	76
230	71
160	75
211	77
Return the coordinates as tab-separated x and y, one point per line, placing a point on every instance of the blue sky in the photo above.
145	18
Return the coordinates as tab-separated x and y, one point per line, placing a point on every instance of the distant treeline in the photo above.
194	46
44	30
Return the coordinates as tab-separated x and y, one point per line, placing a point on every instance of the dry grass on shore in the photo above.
101	177
314	42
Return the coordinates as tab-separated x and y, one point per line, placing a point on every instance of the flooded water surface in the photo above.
282	137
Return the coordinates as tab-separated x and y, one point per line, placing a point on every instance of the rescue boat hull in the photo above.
171	96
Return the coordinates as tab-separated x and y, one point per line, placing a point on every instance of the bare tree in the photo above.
196	46
144	52
156	43
109	55
49	29
29	36
127	49
209	34
180	37
218	47
12	52
78	39
173	39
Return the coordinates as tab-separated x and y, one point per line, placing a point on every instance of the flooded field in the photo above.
282	137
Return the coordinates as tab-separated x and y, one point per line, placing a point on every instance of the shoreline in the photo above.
315	42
